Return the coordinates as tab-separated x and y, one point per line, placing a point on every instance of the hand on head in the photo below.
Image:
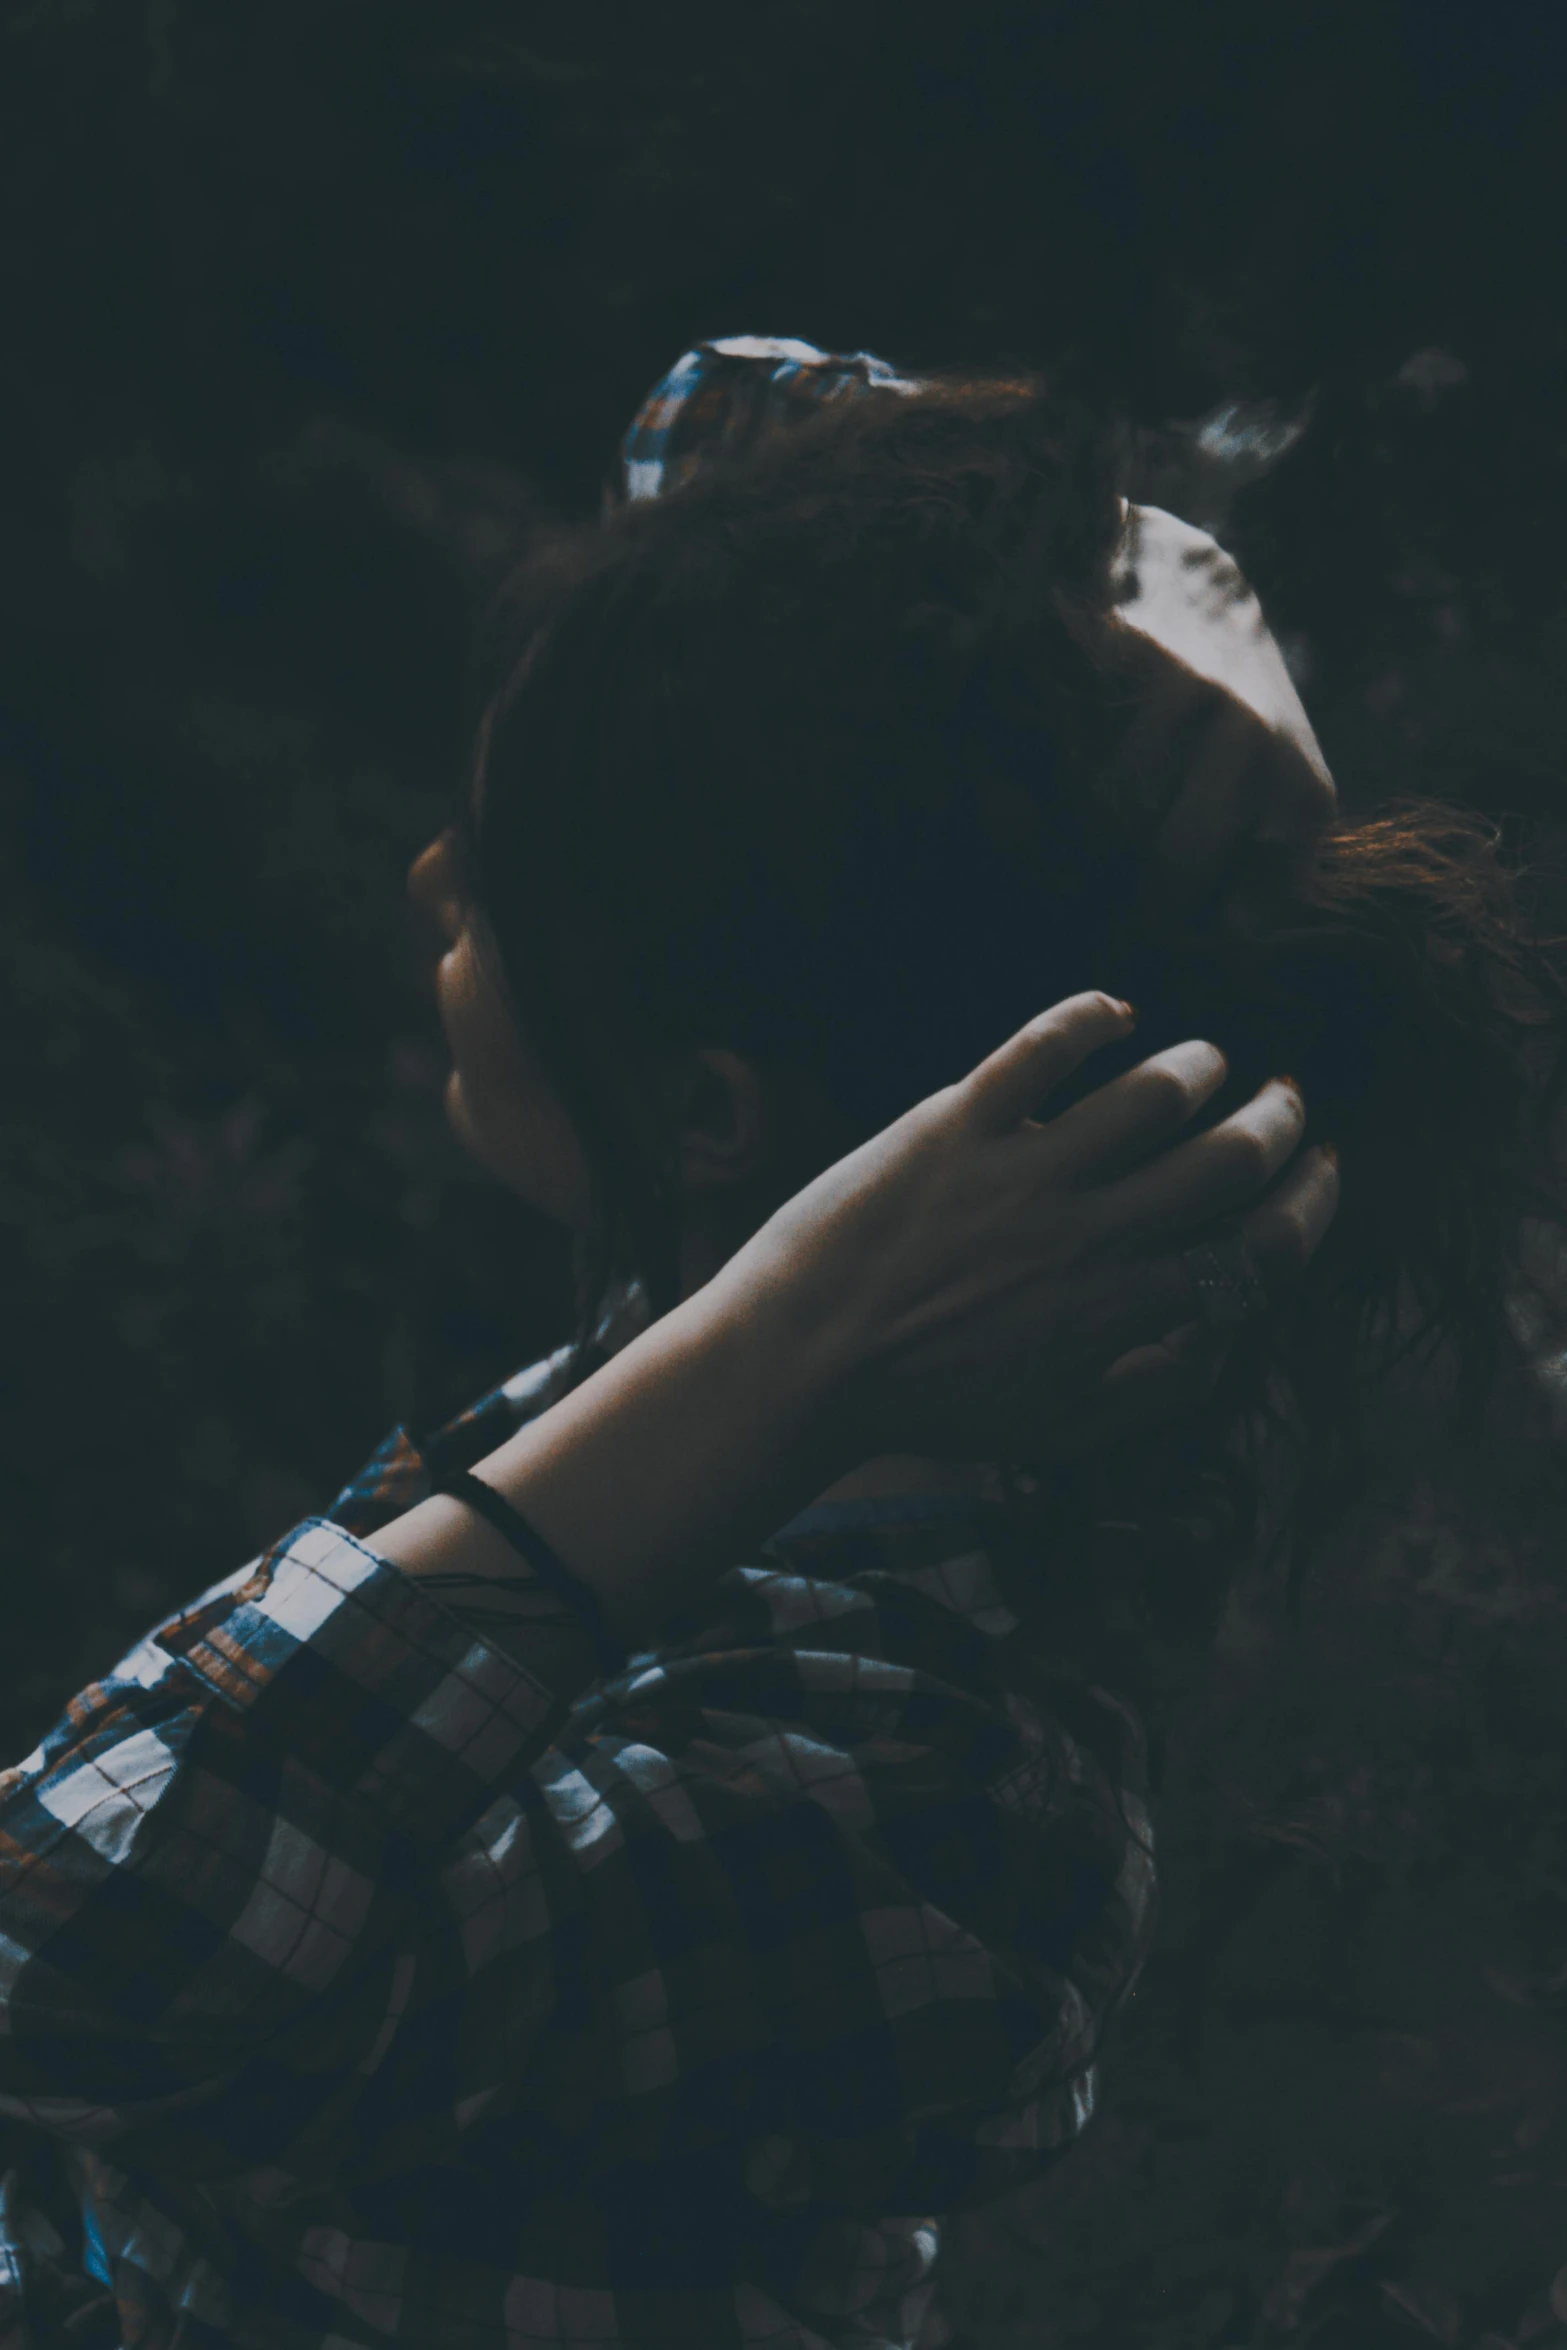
983	1268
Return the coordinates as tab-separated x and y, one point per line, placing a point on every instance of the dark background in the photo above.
309	310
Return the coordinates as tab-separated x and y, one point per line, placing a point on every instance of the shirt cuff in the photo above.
343	1662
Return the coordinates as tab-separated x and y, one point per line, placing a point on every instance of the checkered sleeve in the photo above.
216	1835
399	1473
854	1906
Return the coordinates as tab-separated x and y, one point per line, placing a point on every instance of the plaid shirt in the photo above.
377	1998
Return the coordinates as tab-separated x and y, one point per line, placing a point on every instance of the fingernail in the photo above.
1129	1009
1329	1151
1293	1083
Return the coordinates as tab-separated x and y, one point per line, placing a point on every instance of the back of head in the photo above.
834	757
807	736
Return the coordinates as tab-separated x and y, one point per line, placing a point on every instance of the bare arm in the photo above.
968	1265
661	1470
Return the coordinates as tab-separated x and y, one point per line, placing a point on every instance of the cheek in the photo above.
501	1103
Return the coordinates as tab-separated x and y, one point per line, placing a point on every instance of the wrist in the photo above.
684	1452
785	1355
666	1467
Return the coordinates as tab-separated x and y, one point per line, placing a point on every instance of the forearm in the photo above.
649	1480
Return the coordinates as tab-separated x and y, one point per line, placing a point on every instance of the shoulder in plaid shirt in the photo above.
375	2000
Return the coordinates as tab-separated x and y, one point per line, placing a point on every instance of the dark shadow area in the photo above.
309	309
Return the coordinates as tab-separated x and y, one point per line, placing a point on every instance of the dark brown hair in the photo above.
823	758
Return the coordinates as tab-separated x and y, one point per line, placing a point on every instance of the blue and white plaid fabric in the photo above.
722	395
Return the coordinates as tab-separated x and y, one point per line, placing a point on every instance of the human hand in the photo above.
981	1279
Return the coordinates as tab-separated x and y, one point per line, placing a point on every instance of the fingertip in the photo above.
1210	1075
1014	1081
1097	999
1076	1016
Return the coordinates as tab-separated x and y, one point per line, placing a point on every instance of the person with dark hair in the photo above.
639	1862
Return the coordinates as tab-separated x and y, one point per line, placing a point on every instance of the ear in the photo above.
727	1121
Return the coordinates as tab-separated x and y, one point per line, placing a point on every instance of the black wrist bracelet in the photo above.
462	1485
